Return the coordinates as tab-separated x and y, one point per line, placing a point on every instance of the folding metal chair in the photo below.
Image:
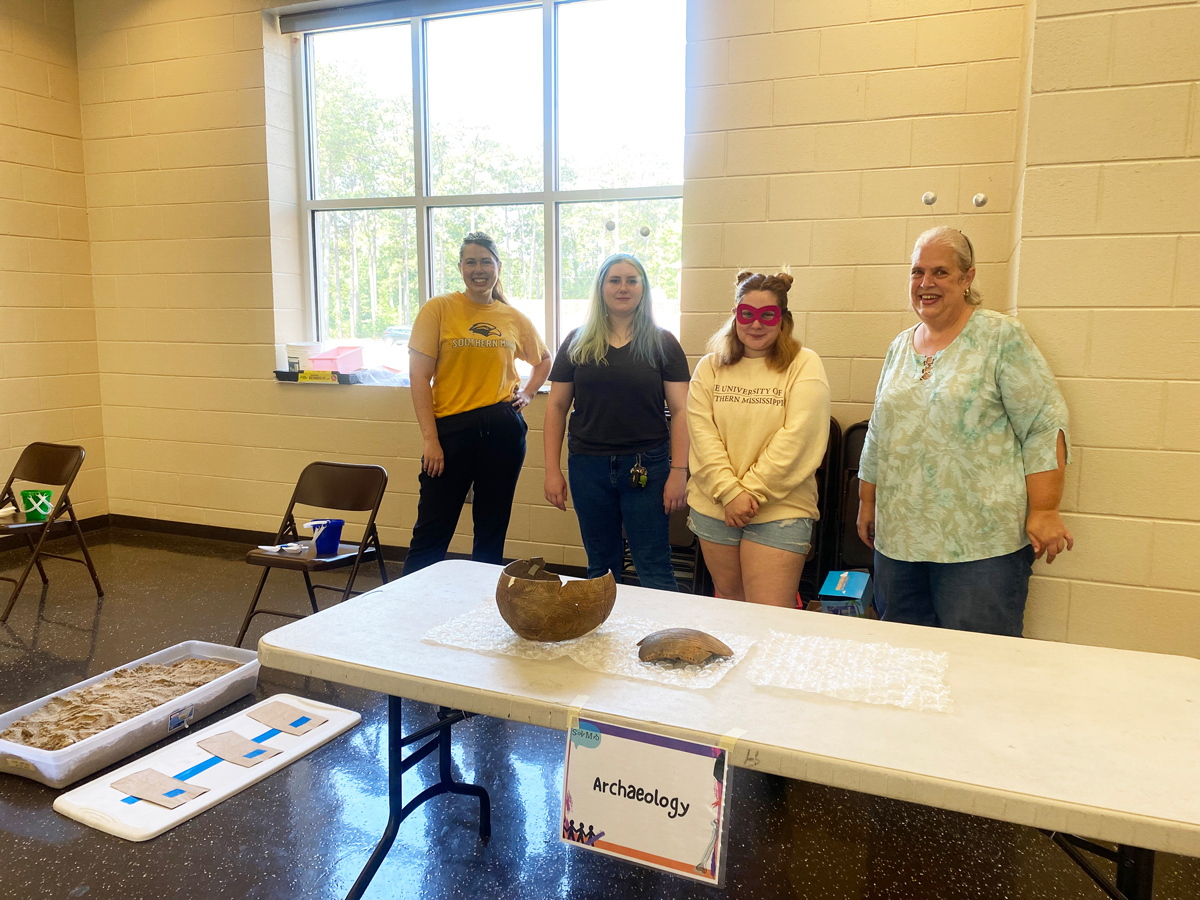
52	465
332	486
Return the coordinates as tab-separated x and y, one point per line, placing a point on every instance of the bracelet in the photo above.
682	468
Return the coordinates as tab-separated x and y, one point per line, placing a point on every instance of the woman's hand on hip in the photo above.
866	523
1048	534
556	489
675	491
521	400
740	510
433	461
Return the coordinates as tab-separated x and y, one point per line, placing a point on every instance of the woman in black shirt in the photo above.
627	465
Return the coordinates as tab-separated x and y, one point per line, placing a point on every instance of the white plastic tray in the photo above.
58	768
103	807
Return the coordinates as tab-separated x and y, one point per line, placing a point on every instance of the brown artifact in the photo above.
538	606
681	646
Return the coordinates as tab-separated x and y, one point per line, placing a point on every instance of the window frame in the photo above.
422	201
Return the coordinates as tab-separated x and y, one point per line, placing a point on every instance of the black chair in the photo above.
852	553
824	536
51	465
338	487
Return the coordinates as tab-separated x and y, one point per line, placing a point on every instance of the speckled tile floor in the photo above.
306	831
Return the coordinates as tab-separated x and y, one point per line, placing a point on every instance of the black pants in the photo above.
483	447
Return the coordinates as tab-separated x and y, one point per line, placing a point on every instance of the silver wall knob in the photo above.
929	198
980	199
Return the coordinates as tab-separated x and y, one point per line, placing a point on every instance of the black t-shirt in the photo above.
620	406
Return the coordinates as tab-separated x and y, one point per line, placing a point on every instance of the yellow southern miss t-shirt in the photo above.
476	348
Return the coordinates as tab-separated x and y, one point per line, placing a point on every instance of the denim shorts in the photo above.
793	535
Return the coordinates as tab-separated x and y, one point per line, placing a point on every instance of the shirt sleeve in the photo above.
868	461
426	334
532	348
675	365
712	473
1032	401
563	369
795	451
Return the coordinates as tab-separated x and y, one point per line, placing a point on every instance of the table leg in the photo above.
398	810
395	801
1135	872
1135	866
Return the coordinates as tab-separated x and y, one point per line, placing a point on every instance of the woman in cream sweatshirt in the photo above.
758	417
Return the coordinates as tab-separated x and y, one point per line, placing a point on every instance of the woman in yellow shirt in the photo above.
468	400
758	417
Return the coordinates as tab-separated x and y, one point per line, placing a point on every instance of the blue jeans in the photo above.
986	595
605	502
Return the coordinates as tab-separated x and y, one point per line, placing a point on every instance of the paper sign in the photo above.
286	718
650	799
158	788
232	747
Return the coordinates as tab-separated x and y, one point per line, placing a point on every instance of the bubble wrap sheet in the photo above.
853	670
611	648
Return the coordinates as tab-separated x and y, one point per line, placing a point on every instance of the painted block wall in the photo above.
1109	286
49	371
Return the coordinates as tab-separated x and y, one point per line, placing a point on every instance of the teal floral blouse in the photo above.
949	454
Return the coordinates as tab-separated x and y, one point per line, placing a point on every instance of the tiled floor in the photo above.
306	831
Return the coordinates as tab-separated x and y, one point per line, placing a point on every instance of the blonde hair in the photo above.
960	246
590	345
485	241
727	348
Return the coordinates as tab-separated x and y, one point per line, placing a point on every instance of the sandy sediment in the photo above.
127	693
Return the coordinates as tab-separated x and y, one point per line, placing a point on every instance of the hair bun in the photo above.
785	279
743	275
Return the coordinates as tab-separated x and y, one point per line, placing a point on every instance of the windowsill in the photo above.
317	376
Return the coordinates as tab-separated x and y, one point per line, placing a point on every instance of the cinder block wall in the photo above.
49	373
1109	286
814	129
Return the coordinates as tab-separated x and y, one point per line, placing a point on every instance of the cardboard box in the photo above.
846	593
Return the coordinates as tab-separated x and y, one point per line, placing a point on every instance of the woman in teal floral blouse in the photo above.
962	469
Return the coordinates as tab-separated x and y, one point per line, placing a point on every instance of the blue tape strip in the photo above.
303	720
253	753
213	760
174	792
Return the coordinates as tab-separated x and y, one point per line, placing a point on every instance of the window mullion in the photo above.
420	159
305	185
550	171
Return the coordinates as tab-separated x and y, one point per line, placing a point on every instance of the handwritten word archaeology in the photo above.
674	806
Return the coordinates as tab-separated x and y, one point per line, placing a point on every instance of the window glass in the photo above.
591	232
620	93
362	113
366	263
485	103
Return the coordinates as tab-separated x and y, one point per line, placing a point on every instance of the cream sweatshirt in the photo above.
758	430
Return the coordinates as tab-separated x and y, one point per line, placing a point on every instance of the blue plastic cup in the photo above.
327	535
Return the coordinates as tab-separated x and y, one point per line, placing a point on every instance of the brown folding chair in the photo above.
330	486
52	465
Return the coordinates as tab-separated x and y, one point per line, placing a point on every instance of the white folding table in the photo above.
1070	739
